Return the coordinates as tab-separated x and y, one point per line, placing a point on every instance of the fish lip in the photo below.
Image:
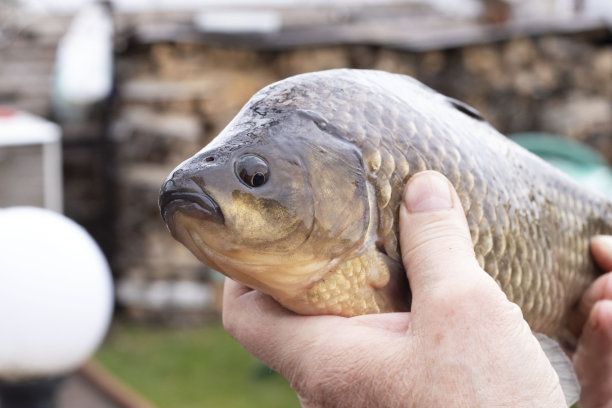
194	204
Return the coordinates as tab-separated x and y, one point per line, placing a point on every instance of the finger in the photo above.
267	330
600	325
233	289
245	308
600	289
593	358
601	248
290	343
434	235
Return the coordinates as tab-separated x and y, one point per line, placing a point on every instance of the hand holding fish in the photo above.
299	198
463	343
593	357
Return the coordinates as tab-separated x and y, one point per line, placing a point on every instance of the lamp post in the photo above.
55	303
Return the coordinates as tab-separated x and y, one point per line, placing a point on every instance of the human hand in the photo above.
593	357
462	344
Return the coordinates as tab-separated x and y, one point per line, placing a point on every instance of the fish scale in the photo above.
545	310
529	223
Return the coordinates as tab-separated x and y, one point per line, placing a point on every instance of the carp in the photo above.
299	197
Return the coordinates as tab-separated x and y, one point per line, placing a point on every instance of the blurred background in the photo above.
137	86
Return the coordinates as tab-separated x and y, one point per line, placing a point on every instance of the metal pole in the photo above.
30	394
52	175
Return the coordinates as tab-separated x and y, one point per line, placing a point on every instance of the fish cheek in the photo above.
267	224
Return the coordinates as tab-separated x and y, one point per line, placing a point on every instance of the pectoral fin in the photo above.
563	366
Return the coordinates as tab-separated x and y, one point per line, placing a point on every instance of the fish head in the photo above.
272	202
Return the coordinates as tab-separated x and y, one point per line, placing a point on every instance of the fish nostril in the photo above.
168	184
210	158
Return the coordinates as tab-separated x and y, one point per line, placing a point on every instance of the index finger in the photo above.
600	289
243	307
233	290
601	248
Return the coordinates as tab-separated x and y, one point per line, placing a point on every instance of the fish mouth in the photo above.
199	205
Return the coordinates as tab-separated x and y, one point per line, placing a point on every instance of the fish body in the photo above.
299	197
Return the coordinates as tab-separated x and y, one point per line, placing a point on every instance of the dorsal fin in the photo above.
465	108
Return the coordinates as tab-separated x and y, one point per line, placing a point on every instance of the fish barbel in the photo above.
299	198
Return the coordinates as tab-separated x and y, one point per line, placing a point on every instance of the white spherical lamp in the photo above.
56	295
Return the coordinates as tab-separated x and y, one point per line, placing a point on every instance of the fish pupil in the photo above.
258	179
252	170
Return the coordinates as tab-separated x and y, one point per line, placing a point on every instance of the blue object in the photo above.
578	160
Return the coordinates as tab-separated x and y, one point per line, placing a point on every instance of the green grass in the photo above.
191	368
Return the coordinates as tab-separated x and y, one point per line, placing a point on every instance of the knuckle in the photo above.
463	290
435	235
481	297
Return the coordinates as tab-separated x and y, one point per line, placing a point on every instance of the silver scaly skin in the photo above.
321	234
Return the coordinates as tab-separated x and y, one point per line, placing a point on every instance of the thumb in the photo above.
434	236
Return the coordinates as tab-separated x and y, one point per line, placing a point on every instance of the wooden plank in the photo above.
413	32
112	387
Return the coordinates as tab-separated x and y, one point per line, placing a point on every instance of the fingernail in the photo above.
428	191
604	241
600	317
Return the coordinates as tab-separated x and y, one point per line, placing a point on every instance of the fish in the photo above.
298	197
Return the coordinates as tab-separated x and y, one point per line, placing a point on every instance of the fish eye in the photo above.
252	170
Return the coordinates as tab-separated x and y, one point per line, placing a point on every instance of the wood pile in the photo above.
175	94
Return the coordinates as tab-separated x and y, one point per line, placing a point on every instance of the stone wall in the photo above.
176	96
